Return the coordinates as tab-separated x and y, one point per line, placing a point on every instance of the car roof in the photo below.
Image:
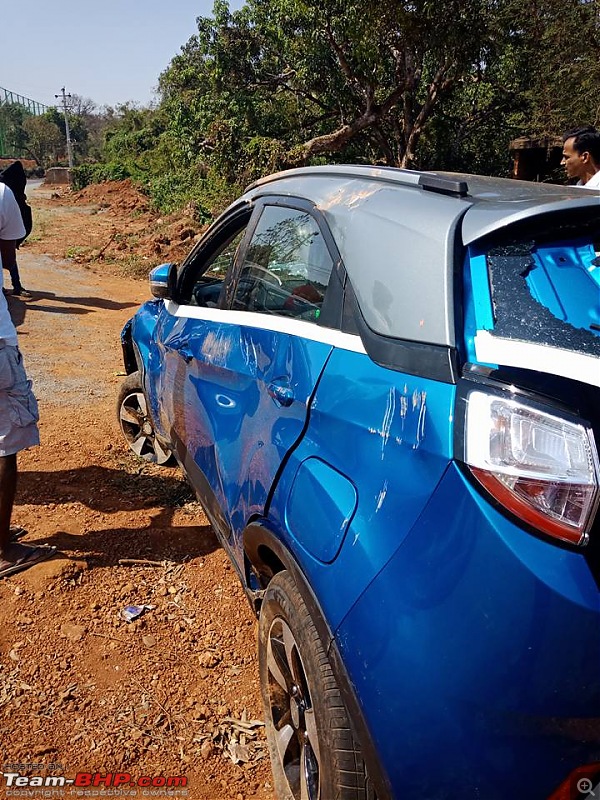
404	285
499	202
495	202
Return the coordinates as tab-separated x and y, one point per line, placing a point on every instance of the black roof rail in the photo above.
433	183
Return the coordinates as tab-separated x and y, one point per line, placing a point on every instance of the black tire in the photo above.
136	423
313	753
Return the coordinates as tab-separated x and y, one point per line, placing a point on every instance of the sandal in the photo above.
33	556
17	532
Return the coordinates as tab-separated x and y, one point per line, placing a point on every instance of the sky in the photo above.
111	51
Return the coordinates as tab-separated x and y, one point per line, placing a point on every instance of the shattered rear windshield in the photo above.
546	286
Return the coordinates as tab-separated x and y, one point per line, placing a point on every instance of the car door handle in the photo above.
283	395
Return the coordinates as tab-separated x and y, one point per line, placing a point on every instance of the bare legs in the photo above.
13	553
8	488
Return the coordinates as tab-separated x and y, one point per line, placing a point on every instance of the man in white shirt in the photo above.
18	406
581	156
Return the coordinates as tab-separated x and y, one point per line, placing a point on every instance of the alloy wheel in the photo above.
138	429
292	713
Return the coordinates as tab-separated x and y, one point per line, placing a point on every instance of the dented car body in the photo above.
384	387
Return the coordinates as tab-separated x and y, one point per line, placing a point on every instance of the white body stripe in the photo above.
270	322
539	357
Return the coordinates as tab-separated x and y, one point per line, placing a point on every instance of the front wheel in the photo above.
136	423
313	753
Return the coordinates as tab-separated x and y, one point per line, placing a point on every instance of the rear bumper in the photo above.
475	655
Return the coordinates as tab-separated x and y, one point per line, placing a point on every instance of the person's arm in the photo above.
8	253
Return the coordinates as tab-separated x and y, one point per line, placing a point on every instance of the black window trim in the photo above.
331	312
215	237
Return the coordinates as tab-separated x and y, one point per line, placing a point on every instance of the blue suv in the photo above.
384	387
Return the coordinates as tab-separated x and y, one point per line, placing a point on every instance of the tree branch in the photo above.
280	82
351	76
333	142
383	143
440	84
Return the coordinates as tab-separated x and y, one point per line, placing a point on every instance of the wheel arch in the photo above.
265	555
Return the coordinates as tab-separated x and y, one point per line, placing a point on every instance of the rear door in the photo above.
243	374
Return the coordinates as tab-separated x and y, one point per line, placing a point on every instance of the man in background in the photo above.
18	406
15	178
581	156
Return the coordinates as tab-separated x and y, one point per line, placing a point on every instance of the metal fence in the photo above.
12	98
8	97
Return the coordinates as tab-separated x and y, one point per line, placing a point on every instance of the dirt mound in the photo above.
116	195
28	163
127	233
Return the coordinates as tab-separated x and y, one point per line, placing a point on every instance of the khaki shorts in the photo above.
18	406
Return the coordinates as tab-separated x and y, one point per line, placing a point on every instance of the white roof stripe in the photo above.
270	322
491	349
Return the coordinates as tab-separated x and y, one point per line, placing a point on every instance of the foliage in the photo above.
483	113
44	139
12	135
85	174
129	132
561	51
280	83
204	196
377	72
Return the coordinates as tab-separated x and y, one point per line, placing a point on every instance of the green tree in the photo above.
280	83
305	79
45	141
562	54
13	137
77	130
379	70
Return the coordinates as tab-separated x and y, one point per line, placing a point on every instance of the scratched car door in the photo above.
249	370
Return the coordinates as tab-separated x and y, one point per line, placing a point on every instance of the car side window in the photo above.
286	268
204	280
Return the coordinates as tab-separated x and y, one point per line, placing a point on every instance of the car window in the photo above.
287	266
204	278
546	287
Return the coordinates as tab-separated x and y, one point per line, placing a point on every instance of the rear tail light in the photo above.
541	467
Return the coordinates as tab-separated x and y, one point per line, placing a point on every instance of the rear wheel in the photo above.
313	753
136	423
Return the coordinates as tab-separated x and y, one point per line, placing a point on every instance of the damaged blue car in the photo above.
384	388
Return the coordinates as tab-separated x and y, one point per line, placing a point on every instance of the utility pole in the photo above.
67	131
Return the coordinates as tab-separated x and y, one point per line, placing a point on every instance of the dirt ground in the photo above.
173	693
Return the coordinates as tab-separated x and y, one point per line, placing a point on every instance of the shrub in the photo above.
98	173
205	192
